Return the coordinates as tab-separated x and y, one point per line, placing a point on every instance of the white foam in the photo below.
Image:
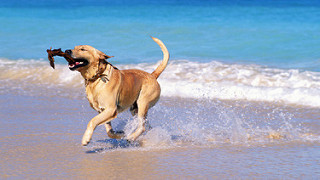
241	82
35	71
213	80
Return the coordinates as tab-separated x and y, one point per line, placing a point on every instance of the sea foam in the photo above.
240	82
186	79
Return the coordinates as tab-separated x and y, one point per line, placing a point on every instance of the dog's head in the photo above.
86	58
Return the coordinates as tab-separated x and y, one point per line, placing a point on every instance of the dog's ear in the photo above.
107	57
103	56
102	61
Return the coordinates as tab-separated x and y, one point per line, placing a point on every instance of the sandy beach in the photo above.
40	137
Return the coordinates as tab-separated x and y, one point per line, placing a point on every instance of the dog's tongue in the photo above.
77	63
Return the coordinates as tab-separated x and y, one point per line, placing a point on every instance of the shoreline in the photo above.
40	137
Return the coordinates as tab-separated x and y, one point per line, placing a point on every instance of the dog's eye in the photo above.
82	49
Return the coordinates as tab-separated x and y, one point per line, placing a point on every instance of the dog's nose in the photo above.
68	51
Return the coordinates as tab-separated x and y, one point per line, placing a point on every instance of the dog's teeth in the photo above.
80	62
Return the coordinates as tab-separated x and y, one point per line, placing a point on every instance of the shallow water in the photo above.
40	137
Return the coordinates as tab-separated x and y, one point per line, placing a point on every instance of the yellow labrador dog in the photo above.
111	91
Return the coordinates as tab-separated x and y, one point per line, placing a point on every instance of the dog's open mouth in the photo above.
77	63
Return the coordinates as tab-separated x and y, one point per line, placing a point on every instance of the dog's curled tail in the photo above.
156	73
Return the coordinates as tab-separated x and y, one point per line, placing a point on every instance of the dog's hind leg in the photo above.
104	117
142	114
113	134
134	109
148	97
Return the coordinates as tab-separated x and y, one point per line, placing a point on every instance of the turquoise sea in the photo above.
282	34
240	96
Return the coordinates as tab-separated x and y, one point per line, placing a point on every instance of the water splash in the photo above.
212	123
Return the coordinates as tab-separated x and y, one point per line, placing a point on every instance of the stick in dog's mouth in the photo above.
58	52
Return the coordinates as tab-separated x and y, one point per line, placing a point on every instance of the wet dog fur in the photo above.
117	91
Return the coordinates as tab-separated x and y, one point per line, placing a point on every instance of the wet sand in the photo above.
40	138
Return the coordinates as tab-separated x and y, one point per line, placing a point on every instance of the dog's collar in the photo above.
101	69
103	77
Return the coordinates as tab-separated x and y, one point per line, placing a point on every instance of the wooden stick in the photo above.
58	52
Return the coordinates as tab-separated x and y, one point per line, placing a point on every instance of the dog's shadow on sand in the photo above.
111	144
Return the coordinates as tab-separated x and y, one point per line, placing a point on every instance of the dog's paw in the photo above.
84	142
130	138
129	141
86	138
120	132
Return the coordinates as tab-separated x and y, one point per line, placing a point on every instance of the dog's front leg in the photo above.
104	117
113	134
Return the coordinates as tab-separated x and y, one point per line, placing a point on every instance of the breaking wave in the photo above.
183	78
